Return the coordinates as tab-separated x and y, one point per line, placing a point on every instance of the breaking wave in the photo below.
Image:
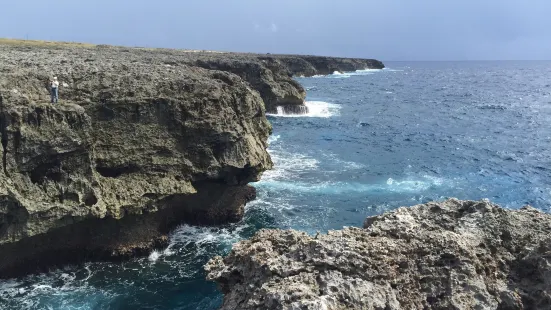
314	108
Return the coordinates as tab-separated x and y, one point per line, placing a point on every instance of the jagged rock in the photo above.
441	255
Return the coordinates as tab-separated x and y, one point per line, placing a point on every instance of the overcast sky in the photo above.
383	29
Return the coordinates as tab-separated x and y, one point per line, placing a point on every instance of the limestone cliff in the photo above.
143	140
318	65
272	75
441	255
134	148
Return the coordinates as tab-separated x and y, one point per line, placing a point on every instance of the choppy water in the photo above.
374	140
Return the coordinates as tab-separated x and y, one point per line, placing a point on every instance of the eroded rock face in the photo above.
445	255
318	65
272	75
134	148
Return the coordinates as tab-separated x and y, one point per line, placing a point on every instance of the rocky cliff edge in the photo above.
142	140
441	255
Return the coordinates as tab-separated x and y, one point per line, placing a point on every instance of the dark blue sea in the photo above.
374	140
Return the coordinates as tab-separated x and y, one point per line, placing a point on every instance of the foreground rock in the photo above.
449	255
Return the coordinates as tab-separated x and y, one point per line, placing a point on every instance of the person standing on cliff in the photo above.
54	87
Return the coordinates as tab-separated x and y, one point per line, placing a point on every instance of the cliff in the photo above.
272	75
142	140
446	255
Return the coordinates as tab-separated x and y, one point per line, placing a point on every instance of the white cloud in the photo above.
273	27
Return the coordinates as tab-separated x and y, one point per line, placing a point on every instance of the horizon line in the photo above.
466	60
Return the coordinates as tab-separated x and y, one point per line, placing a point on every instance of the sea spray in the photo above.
314	109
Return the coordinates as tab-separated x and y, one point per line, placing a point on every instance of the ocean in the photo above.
373	140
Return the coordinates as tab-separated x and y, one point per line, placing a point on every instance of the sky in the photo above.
384	29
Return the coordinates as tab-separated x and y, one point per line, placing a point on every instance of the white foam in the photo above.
187	235
339	75
391	185
288	165
392	70
320	109
54	290
154	256
342	164
334	75
365	72
71	288
273	139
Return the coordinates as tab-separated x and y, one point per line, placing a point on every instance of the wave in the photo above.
365	72
289	165
347	74
98	284
315	109
60	289
273	139
201	239
339	75
332	188
334	75
334	161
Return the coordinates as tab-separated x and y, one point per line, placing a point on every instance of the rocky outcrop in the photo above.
272	75
291	101
135	148
441	255
317	65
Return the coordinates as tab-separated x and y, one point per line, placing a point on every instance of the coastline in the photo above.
143	138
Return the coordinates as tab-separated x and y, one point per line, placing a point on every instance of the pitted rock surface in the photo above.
441	255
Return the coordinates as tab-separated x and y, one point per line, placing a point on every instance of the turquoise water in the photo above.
374	140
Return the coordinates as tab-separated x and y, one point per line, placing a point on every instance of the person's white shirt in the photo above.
55	83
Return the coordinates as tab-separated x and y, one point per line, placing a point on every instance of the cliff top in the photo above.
84	70
69	45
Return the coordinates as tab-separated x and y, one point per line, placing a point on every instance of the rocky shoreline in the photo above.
143	140
440	255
